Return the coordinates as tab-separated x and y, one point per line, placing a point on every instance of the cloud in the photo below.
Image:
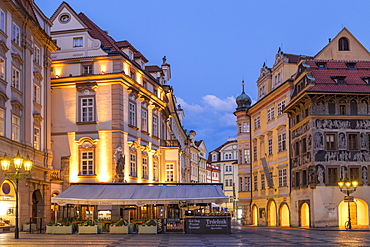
218	104
213	120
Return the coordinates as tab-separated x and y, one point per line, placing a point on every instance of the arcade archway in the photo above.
271	216
305	215
284	215
359	212
255	215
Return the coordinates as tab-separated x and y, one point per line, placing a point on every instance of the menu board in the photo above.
208	225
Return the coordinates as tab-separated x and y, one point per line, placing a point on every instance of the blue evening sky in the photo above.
212	45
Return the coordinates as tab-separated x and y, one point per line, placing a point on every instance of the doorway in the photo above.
305	215
284	215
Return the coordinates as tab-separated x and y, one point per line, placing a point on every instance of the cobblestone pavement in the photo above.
242	236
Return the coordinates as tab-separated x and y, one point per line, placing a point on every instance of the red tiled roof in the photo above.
153	68
139	55
353	81
97	33
292	58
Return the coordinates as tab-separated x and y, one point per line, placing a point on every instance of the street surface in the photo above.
242	236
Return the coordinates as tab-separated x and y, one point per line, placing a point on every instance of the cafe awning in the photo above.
119	194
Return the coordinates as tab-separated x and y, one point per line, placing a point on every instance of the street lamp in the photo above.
348	187
22	168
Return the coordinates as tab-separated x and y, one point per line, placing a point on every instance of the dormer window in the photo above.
339	80
321	66
366	80
343	44
351	66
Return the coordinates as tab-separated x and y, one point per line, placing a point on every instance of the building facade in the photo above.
308	131
329	116
25	47
270	152
225	157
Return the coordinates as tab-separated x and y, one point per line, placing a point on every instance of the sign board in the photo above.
208	225
349	199
268	177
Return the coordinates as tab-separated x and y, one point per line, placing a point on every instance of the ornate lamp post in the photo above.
20	169
348	187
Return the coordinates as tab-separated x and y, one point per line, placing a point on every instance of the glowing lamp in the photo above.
341	184
354	184
5	163
18	161
27	164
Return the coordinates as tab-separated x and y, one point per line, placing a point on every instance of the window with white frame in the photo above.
246	127
155	125
15	78
78	42
144	119
228	168
281	106
282	142
133	75
145	167
270	113
255	151
15	128
263	184
247	156
228	156
255	182
133	165
2	68
87	109
132	116
257	122
283	178
170	172
270	145
87	162
16	34
2	123
155	169
247	183
36	55
87	69
228	182
36	138
2	20
36	94
214	157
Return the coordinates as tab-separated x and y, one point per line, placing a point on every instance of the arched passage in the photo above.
305	215
7	201
359	212
255	216
37	206
271	218
284	215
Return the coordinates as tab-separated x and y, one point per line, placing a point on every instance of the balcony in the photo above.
55	175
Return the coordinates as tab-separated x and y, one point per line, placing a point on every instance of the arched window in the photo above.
331	106
343	44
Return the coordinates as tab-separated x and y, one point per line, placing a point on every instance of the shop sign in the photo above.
207	225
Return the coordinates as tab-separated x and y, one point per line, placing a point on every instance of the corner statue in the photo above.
120	167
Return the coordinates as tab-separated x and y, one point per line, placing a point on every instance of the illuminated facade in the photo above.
308	130
115	119
329	133
268	147
25	47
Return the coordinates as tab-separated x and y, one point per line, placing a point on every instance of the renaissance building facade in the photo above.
309	131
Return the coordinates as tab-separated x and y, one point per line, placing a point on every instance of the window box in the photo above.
26	227
118	229
147	229
58	229
89	229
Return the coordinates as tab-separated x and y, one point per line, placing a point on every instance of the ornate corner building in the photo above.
309	130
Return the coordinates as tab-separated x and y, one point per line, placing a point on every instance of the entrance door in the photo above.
255	216
305	215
